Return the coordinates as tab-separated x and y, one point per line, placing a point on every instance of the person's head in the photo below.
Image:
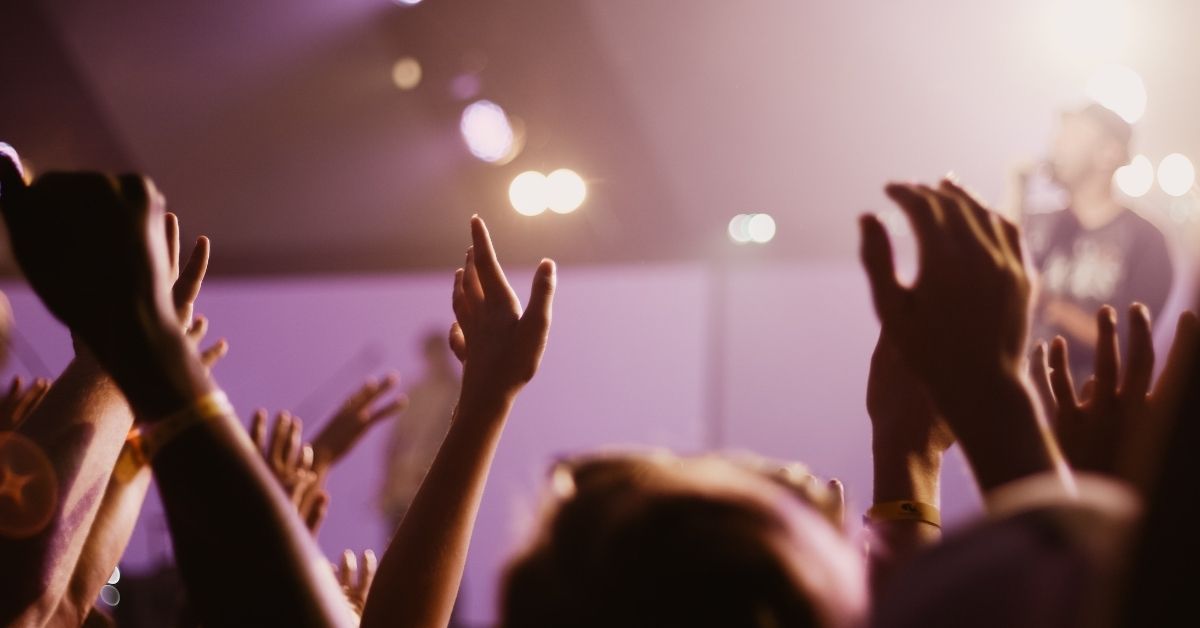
1091	143
660	540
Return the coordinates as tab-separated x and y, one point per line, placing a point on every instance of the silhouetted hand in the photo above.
1102	427
18	401
961	326
356	415
967	310
500	346
92	247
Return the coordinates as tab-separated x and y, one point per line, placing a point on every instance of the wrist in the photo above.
907	474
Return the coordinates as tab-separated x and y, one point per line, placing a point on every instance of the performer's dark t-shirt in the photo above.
1124	261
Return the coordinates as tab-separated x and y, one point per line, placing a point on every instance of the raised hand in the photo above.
1104	427
356	576
500	345
291	462
356	415
92	247
501	348
961	326
18	402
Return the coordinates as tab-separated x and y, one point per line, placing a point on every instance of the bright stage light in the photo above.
486	130
406	73
407	2
566	191
529	193
761	228
737	229
1176	174
1135	178
1120	89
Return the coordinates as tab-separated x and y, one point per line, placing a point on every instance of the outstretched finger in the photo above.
1061	381
210	356
172	222
1180	358
1039	371
491	275
348	570
367	573
458	342
187	287
876	253
395	407
1139	368
1108	354
258	430
541	295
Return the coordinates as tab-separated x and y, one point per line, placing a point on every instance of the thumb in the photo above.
541	298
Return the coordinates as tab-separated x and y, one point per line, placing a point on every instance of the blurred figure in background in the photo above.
1096	251
415	440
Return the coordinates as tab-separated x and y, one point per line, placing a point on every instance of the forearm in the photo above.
245	556
80	427
419	577
1002	433
106	542
902	475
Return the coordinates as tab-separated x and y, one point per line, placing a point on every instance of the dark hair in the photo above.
638	543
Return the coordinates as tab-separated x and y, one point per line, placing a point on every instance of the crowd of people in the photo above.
1085	483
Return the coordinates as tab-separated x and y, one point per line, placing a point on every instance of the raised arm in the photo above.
501	348
908	439
91	247
962	326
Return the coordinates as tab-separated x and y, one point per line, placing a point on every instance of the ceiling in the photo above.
273	126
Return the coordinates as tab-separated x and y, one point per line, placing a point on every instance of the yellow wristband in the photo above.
143	443
904	510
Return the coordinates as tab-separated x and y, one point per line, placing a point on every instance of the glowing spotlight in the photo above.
737	229
529	193
116	575
486	130
1135	178
566	191
407	3
1176	174
406	73
761	228
1120	89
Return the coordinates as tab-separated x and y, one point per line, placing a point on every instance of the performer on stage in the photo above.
1096	251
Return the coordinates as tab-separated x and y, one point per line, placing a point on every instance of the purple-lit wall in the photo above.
627	364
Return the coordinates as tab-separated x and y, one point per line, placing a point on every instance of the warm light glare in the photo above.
408	2
566	190
1120	89
406	73
1176	174
1136	178
529	193
486	130
761	228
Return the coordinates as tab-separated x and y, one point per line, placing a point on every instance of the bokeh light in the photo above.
737	229
110	595
406	73
116	575
407	3
761	228
529	193
1120	89
486	131
1135	178
1176	175
566	191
